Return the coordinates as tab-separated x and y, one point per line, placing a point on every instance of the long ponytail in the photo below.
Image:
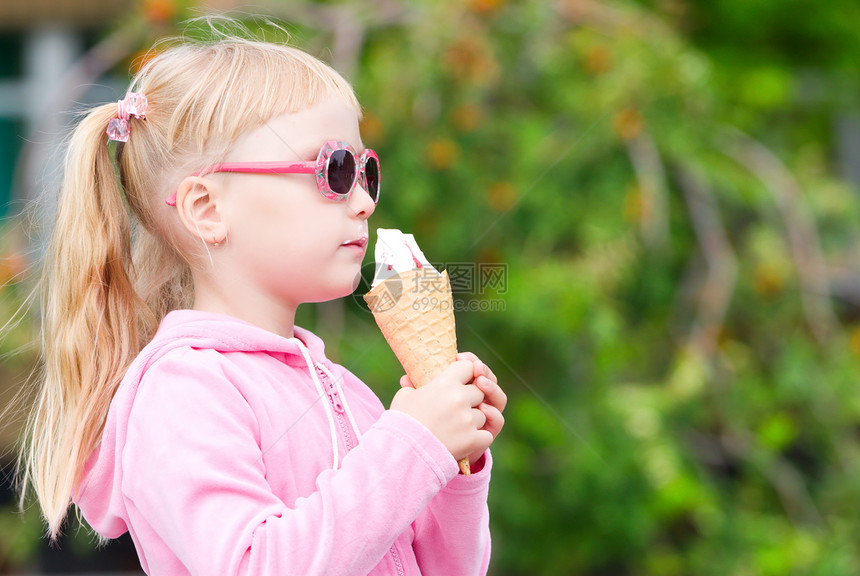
89	320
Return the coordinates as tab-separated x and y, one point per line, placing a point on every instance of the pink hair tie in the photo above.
134	104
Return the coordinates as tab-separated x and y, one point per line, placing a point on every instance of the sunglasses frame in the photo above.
319	167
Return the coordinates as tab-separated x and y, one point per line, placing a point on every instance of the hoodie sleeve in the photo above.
452	534
195	484
457	522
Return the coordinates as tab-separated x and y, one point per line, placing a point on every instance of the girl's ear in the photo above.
197	204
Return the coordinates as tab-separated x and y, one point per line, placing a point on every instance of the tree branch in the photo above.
651	176
720	259
800	227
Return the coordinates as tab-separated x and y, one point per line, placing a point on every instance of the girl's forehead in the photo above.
303	132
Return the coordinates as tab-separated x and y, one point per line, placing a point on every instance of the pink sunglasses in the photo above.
337	169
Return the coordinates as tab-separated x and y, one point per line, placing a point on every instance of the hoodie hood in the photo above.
99	496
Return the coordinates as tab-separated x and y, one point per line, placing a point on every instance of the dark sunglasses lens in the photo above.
371	176
341	171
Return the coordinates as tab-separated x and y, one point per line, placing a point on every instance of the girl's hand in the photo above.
486	414
494	402
448	406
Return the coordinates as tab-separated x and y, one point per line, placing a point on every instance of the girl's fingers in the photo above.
405	382
468	356
480	369
493	393
480	419
494	420
460	370
474	395
489	374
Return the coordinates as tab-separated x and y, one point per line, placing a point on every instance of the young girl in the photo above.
180	403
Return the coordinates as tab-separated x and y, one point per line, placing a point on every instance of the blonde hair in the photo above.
113	269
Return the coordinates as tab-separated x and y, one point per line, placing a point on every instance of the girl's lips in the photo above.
359	245
358	242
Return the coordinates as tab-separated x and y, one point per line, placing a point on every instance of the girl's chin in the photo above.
339	290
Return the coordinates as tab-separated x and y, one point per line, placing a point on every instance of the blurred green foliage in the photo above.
676	339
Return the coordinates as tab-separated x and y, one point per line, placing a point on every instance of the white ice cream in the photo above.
396	253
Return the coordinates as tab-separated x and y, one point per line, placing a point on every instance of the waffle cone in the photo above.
415	311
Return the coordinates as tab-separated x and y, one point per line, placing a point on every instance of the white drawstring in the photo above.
322	393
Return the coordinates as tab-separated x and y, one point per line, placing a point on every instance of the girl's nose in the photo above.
360	202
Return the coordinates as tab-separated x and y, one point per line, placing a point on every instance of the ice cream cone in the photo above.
415	311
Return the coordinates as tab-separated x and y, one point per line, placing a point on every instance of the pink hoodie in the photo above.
230	450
